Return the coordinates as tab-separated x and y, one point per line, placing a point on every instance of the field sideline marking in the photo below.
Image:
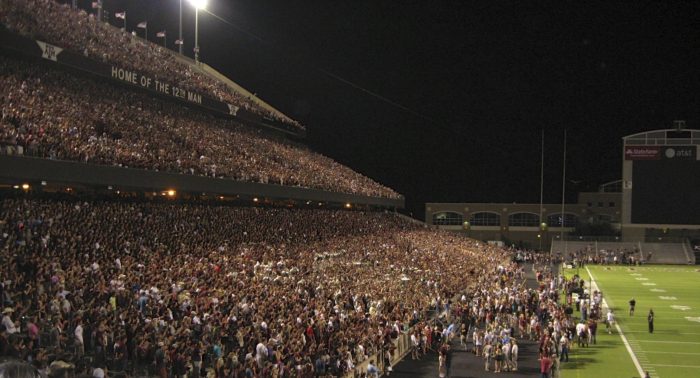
660	352
680	366
619	330
682	333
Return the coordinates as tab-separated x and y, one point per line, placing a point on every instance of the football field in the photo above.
673	350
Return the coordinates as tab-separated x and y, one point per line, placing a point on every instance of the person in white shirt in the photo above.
582	334
610	321
507	363
514	354
415	344
477	342
261	354
7	321
79	344
564	346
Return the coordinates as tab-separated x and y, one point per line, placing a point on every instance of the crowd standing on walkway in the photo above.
502	309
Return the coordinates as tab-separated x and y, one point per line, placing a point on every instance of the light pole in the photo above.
179	46
197	4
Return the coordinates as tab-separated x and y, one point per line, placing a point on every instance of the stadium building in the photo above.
656	203
157	219
520	224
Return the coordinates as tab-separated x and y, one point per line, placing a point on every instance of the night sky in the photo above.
444	101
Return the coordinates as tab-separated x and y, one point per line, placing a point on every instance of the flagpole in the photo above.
541	189
124	21
165	41
145	31
563	195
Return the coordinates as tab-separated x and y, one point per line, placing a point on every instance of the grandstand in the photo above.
231	145
157	220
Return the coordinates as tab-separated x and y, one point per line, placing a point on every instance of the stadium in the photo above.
158	219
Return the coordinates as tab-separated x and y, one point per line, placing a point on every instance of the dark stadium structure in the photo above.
20	167
661	177
159	220
156	219
654	210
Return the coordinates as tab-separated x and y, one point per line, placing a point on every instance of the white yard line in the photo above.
594	286
684	333
668	342
678	366
660	352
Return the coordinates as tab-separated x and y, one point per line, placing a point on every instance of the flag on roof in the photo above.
178	42
141	25
160	34
121	15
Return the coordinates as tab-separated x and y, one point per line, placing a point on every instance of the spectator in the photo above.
78	31
42	111
257	287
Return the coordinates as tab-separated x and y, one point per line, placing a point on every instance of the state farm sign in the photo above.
642	153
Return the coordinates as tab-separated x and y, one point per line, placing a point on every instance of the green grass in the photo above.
673	350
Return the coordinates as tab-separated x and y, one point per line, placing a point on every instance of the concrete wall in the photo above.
15	169
533	237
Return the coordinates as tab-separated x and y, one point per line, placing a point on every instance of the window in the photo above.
611	204
485	219
448	218
555	220
590	204
524	220
600	204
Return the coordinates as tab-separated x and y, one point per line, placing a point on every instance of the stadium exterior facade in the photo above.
664	199
520	224
666	191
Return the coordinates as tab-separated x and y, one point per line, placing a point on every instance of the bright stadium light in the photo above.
199	4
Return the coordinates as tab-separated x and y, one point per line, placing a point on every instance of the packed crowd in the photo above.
497	311
625	256
44	113
180	289
503	309
537	257
76	30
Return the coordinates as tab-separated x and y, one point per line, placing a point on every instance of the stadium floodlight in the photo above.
197	4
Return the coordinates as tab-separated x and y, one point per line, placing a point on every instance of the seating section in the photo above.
137	279
58	24
54	114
